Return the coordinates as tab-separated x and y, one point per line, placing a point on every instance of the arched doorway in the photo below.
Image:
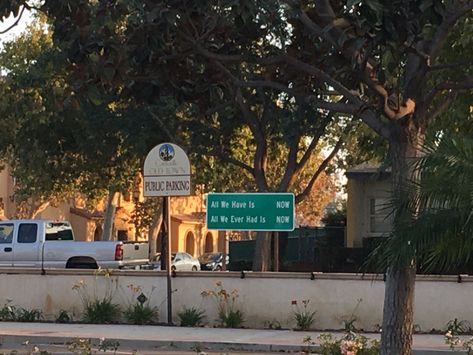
190	241
209	243
98	233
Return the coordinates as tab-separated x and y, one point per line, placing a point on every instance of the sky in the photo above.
5	23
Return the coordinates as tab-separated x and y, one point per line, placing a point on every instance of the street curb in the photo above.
169	345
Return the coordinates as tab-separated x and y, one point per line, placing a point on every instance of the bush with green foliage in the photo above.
191	317
336	218
28	315
11	313
139	310
304	316
8	312
63	317
99	308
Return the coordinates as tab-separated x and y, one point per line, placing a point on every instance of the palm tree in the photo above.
438	233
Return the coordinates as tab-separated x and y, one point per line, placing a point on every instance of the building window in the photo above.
380	217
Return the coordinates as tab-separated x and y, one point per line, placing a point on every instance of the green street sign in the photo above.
250	211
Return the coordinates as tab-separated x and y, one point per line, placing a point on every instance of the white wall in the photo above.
264	297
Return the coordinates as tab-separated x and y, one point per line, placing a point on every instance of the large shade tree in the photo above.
55	143
115	48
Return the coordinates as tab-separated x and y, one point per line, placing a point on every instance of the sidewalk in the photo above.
146	338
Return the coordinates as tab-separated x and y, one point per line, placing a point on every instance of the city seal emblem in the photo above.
166	152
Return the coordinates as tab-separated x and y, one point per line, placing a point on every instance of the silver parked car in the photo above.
180	261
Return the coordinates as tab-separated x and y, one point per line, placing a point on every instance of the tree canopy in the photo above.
397	66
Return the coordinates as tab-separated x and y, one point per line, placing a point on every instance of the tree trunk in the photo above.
398	311
262	256
154	229
275	251
36	209
109	216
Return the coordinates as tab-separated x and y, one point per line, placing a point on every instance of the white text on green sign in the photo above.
250	211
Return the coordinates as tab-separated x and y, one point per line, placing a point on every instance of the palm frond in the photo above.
434	214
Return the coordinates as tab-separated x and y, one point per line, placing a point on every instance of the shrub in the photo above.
18	314
191	317
101	312
459	326
228	314
27	315
63	317
231	318
139	310
304	317
141	314
8	312
98	309
456	328
349	344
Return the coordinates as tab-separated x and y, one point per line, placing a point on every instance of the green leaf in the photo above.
94	95
351	3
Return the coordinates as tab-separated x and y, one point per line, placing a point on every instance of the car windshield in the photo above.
210	257
158	257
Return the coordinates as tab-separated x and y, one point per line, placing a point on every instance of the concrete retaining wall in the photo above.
265	298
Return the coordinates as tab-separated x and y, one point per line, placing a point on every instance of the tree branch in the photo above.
442	107
403	110
225	157
452	13
172	137
313	144
311	99
260	157
291	164
319	171
16	21
450	65
466	84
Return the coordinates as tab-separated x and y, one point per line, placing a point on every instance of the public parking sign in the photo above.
250	211
167	172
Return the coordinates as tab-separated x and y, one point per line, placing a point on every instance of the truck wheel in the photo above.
194	268
173	268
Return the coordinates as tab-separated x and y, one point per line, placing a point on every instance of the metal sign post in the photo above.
166	173
167	219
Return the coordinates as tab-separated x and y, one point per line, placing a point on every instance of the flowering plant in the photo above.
350	344
304	316
228	314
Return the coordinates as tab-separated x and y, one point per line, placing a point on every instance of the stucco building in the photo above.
368	204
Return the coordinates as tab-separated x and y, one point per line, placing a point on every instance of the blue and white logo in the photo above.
166	152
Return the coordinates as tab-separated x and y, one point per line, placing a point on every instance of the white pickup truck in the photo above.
50	244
